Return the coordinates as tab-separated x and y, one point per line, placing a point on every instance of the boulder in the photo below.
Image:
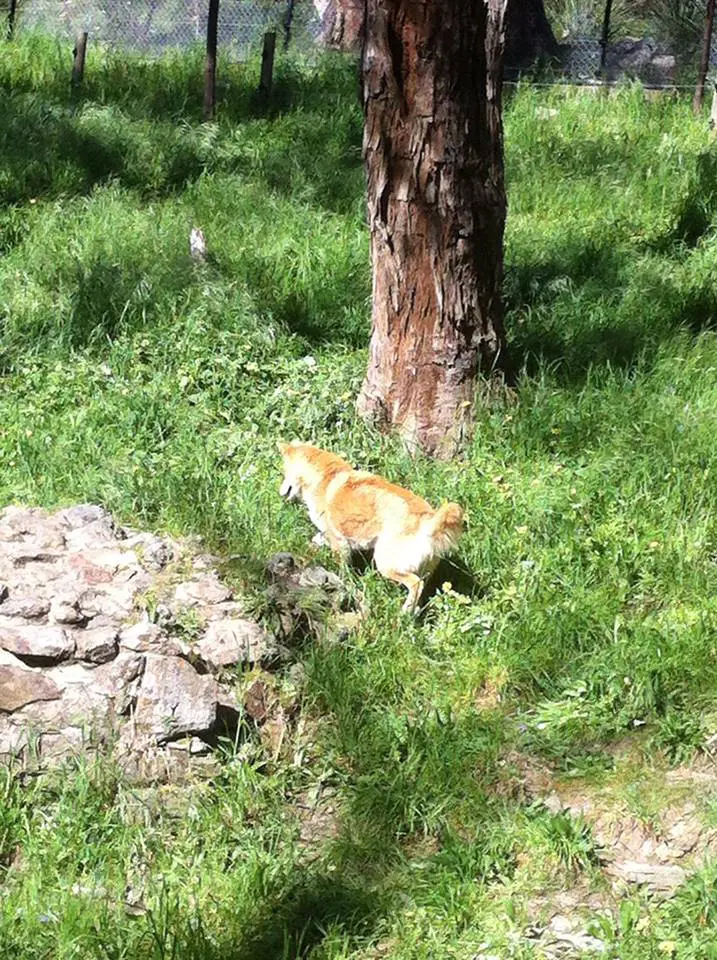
28	608
20	685
207	591
174	700
35	643
98	645
229	642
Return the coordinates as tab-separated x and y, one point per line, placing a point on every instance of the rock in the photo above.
157	764
121	678
561	924
20	685
36	644
205	561
19	524
226	609
658	878
579	942
256	701
146	637
684	834
84	703
32	553
93	536
3	592
273	733
157	554
84	514
14	738
115	602
98	645
230	642
209	590
28	608
280	566
174	700
109	559
69	741
316	577
89	572
553	803
66	610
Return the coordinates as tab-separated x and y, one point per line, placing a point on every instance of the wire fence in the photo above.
152	27
654	63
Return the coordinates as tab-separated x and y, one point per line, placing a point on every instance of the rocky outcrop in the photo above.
120	640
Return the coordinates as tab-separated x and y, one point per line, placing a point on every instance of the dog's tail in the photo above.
446	526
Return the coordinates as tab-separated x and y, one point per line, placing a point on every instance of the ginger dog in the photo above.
355	510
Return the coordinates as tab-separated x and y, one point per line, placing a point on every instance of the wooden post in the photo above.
705	58
79	53
288	23
11	15
267	64
210	69
713	111
605	37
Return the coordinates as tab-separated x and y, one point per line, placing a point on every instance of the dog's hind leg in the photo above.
412	582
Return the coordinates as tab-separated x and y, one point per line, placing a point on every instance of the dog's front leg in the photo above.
415	589
319	540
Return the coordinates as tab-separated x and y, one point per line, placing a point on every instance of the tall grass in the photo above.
158	387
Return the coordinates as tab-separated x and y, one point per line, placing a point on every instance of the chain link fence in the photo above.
152	27
655	41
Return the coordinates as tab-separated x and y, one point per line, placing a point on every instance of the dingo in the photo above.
354	510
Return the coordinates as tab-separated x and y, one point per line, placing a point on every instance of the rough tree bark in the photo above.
433	153
528	31
341	23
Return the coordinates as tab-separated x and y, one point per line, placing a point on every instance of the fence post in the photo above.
210	68
704	59
605	37
78	65
267	64
288	23
11	14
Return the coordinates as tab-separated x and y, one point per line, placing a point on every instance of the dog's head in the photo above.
293	481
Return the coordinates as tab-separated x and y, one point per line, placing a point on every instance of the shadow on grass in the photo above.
292	926
43	153
588	284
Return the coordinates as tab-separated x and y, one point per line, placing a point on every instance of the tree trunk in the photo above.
341	23
528	34
436	206
704	58
210	68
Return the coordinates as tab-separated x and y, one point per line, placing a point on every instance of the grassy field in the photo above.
130	377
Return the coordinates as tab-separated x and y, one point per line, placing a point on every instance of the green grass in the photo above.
131	377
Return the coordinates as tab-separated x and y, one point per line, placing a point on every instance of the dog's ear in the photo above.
282	447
